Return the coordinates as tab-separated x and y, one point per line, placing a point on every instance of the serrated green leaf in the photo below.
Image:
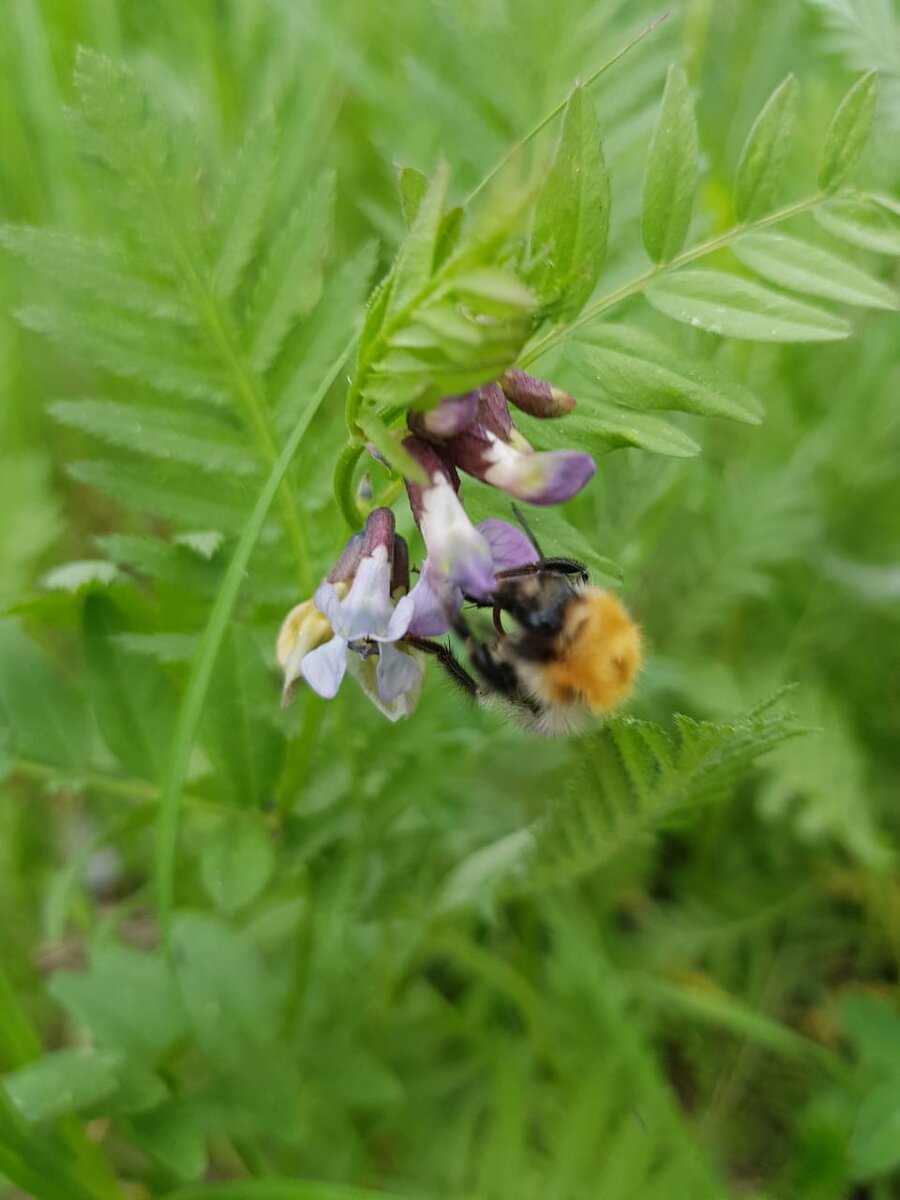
244	745
670	176
571	221
414	263
46	719
642	371
240	207
862	221
161	560
167	491
87	267
177	435
127	1000
236	862
290	281
765	153
389	446
132	700
807	268
412	186
732	306
848	132
63	1082
324	332
159	355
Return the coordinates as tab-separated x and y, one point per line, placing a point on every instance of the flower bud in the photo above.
535	396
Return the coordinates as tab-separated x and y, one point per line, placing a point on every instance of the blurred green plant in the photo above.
307	955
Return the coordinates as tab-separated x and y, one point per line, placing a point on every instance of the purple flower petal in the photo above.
323	668
449	418
328	602
397	673
455	547
400	620
509	546
435	600
539	478
536	396
365	672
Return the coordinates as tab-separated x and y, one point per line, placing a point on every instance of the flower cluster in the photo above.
364	619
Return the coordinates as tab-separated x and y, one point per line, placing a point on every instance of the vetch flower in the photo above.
456	550
493	450
450	417
437	600
352	624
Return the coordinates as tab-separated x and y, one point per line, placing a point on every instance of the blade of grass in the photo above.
191	709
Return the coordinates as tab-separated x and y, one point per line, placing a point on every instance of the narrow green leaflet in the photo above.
44	718
848	132
236	862
241	206
670	176
764	154
132	698
412	186
863	222
806	268
736	307
600	426
640	370
290	280
571	220
182	434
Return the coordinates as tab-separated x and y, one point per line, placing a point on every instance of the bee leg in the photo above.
448	662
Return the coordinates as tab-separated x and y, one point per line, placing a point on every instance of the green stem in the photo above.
604	303
191	709
554	112
343	484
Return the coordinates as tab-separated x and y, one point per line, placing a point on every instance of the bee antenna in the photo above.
529	533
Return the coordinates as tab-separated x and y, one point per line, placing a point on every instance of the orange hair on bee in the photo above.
598	654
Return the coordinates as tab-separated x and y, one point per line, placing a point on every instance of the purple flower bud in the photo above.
494	451
535	396
450	417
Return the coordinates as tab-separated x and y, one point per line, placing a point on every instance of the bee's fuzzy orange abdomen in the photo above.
599	654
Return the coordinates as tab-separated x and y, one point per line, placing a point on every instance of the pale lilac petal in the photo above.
509	545
400	619
397	673
366	609
328	602
455	547
435	600
323	668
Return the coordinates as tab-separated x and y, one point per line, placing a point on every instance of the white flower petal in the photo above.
323	668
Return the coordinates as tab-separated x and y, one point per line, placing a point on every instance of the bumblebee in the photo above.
574	651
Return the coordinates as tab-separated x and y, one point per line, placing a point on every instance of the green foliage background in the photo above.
305	954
